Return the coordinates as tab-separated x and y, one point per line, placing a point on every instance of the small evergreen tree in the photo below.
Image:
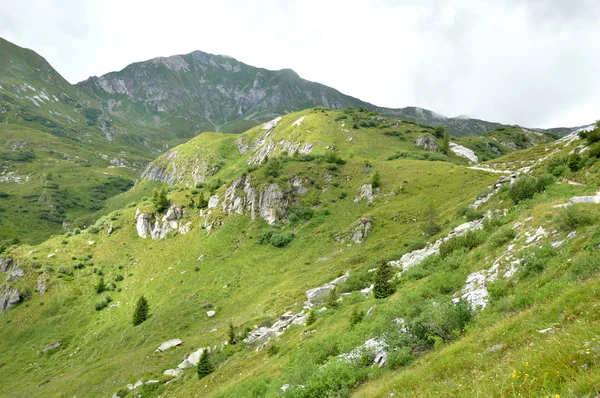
201	203
101	286
430	224
382	280
333	297
439	132
232	339
356	316
312	318
446	143
140	314
376	181
159	199
204	367
192	204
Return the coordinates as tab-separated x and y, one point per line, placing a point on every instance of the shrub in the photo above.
205	366
574	162
399	358
272	350
356	281
594	151
431	225
572	217
140	314
523	188
356	317
231	335
332	157
100	305
585	268
468	241
332	300
312	318
63	269
101	286
535	261
502	236
281	239
93	229
118	278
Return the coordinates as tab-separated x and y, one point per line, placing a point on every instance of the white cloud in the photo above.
529	62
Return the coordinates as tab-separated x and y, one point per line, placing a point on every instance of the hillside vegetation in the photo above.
323	253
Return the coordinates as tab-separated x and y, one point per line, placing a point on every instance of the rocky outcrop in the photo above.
262	334
464	152
193	359
15	274
319	294
5	264
365	192
172	169
9	297
428	143
41	285
362	230
147	224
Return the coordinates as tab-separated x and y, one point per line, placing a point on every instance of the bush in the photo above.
312	318
572	217
502	236
100	305
272	350
469	213
585	268
468	241
140	314
159	199
101	286
93	229
574	162
356	317
524	188
444	322
63	269
281	239
399	358
594	151
535	261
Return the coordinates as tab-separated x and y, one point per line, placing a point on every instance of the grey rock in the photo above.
365	192
15	274
41	285
51	347
428	143
9	297
5	263
173	372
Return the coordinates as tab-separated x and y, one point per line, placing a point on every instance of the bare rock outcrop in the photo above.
9	297
148	224
428	143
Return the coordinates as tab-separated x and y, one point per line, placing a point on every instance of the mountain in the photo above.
199	92
310	258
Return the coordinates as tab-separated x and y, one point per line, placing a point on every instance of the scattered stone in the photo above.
168	344
152	382
51	347
211	313
173	372
41	285
51	255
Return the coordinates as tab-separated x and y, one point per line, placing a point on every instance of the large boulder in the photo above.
5	264
169	344
428	143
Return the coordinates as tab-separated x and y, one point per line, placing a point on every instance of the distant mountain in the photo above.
199	92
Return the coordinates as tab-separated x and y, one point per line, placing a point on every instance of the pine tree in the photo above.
356	316
376	181
204	367
383	286
159	199
312	318
141	311
202	203
232	339
333	297
446	144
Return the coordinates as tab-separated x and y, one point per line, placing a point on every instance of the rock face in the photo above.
365	192
362	230
464	152
270	203
428	143
5	263
9	297
41	285
148	225
15	274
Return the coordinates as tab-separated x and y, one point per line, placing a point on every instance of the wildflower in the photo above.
526	363
584	366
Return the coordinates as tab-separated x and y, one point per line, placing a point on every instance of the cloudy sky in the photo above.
531	62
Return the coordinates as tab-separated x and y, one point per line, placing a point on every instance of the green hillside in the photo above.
506	306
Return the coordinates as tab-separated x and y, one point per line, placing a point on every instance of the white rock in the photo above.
464	152
173	372
168	344
51	255
211	313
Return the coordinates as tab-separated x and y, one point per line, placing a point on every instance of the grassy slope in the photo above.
248	283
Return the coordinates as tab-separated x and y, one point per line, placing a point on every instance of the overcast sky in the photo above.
531	62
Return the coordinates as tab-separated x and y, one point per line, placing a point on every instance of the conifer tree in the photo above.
202	203
333	297
159	199
382	284
204	367
101	286
140	314
232	339
376	181
312	318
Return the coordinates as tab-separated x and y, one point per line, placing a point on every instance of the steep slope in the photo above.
257	231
